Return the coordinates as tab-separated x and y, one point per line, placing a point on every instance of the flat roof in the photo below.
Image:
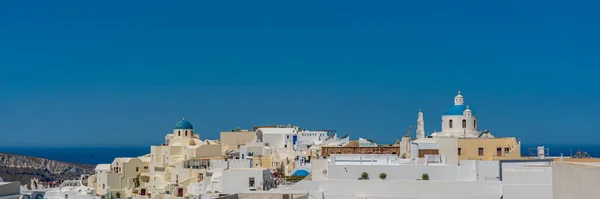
103	167
248	169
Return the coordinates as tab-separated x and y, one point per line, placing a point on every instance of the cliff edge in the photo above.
24	168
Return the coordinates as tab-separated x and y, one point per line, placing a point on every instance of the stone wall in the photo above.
326	151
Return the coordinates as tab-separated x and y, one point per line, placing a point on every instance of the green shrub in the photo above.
364	176
425	176
382	176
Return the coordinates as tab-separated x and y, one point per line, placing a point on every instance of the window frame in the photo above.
251	182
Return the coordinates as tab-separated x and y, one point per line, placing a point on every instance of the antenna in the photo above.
408	130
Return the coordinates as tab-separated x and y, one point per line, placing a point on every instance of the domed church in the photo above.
459	121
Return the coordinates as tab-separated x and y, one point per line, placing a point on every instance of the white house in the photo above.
277	138
239	180
307	137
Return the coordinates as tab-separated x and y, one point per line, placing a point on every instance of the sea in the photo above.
80	155
105	155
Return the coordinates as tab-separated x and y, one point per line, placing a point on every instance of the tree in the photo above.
425	176
382	176
136	181
364	176
118	194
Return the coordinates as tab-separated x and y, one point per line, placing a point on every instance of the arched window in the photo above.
450	124
185	133
475	124
464	124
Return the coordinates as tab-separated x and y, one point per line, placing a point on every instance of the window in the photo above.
450	124
285	146
251	181
498	151
137	169
178	133
464	124
506	150
480	151
459	151
103	186
475	124
185	133
145	167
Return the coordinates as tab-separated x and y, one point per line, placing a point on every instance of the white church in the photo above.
458	121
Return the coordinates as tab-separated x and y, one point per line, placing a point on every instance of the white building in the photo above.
166	171
365	143
576	180
403	178
277	138
9	190
306	137
420	125
239	180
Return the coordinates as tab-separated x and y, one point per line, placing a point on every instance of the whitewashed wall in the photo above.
448	147
317	167
526	181
218	164
237	180
575	181
479	170
394	172
344	189
275	140
239	163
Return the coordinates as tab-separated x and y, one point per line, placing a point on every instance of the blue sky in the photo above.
94	72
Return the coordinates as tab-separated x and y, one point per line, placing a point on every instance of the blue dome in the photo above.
301	173
458	110
184	124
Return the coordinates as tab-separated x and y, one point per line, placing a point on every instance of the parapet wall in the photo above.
326	151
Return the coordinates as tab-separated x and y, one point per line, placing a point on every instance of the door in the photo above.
179	192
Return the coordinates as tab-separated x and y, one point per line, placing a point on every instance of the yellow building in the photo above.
488	149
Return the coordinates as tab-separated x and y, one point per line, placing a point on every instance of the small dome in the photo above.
184	124
458	110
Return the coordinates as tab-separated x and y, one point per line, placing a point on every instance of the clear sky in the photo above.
97	72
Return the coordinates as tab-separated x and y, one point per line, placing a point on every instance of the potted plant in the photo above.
364	176
382	176
425	176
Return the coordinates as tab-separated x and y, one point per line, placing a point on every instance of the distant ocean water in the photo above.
81	155
105	155
566	150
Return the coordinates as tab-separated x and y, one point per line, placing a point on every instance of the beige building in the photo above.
167	171
235	139
488	149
